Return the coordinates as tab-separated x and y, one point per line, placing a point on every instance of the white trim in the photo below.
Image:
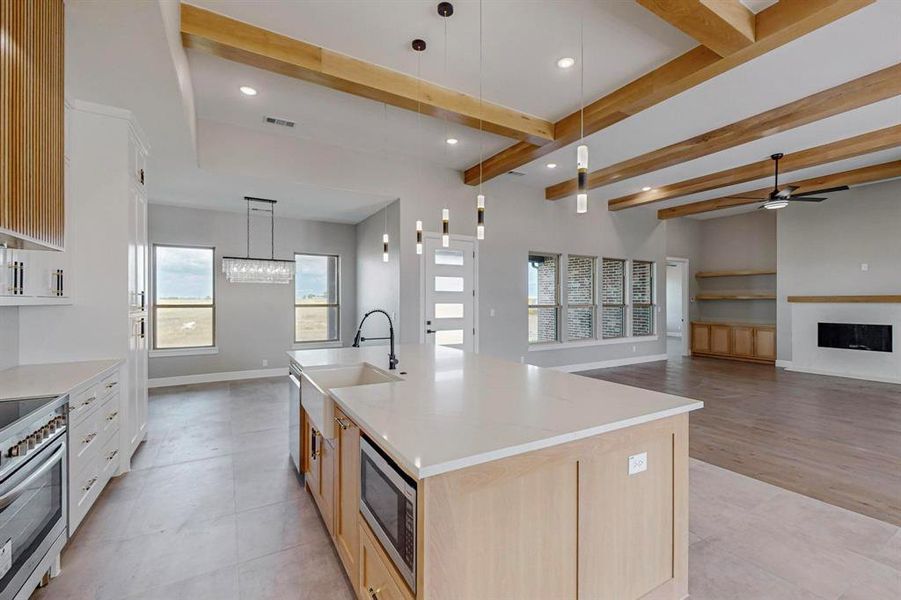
589	343
784	364
165	352
606	364
111	111
210	377
846	375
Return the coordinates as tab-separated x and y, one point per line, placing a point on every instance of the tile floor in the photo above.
212	511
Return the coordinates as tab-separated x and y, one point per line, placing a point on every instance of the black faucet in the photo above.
392	358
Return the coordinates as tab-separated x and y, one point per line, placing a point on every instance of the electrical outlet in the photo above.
634	349
491	312
265	363
638	463
864	267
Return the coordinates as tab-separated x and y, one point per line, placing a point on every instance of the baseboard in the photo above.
606	364
211	377
784	364
846	375
674	334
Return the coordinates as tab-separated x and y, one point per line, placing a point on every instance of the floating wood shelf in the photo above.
736	296
737	273
884	299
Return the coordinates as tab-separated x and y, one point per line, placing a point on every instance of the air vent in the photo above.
278	121
515	173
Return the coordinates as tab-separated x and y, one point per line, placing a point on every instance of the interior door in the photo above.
450	304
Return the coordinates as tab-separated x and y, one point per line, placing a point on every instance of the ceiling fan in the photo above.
780	197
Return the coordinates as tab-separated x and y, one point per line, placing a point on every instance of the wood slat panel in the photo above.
31	120
863	91
776	25
856	176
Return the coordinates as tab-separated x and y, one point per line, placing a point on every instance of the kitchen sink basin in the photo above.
317	382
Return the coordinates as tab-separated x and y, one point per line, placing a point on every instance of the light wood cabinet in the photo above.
319	476
720	339
32	202
347	490
376	577
736	341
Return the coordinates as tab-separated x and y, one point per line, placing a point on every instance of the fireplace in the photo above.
855	336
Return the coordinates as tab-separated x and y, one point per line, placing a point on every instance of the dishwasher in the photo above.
294	418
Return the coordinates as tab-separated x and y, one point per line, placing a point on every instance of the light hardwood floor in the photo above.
212	511
830	438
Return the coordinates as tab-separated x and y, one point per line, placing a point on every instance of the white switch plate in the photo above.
491	312
638	463
265	363
864	267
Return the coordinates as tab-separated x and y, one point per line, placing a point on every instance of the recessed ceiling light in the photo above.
646	188
566	62
452	141
552	165
248	91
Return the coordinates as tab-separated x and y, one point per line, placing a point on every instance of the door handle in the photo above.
430	331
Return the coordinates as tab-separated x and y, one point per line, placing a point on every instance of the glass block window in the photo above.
613	298
543	298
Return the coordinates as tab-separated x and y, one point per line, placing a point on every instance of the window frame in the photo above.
653	297
156	305
594	298
335	305
557	306
627	295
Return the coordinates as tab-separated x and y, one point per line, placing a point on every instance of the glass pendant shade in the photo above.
385	248
418	237
480	216
582	166
445	227
257	270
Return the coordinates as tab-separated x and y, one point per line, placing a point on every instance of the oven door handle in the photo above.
11	496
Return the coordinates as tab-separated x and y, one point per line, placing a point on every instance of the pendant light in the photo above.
419	47
385	235
582	150
445	9
480	198
258	270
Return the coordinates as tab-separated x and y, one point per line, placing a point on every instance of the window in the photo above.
544	298
580	297
316	302
642	297
613	297
184	307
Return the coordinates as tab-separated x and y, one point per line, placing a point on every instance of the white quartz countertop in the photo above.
51	379
457	409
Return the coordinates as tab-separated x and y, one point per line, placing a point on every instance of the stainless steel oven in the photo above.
388	503
33	500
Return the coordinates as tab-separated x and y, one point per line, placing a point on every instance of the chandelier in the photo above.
258	270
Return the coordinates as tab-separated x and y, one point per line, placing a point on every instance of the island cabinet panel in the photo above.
376	579
347	490
320	475
563	522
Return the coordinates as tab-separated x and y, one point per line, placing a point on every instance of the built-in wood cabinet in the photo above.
32	202
320	476
376	578
347	490
737	341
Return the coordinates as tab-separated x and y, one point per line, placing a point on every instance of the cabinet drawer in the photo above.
109	416
376	580
85	441
108	385
81	404
85	488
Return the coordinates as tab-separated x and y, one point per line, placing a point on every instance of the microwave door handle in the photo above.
13	494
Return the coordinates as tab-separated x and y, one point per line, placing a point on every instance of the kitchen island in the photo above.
529	482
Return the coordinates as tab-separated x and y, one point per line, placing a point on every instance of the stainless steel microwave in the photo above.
388	503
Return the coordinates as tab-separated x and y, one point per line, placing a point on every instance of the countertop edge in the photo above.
114	363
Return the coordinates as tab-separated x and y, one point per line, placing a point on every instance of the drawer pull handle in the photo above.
373	594
112	415
89	439
89	484
89	400
111	384
112	455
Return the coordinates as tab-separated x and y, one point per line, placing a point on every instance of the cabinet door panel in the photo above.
347	491
720	339
765	343
700	338
743	341
327	485
374	579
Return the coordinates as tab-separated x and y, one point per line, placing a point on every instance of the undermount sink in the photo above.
317	382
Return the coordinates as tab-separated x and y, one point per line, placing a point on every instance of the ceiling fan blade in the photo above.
840	188
806	199
784	192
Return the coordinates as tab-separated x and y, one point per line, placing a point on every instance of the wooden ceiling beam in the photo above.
863	91
241	42
724	26
776	25
869	174
873	141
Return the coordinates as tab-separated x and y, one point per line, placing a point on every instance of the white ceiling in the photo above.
117	54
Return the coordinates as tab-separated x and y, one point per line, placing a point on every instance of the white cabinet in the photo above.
136	423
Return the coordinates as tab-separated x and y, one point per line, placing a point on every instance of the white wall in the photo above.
378	282
9	337
254	322
822	247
